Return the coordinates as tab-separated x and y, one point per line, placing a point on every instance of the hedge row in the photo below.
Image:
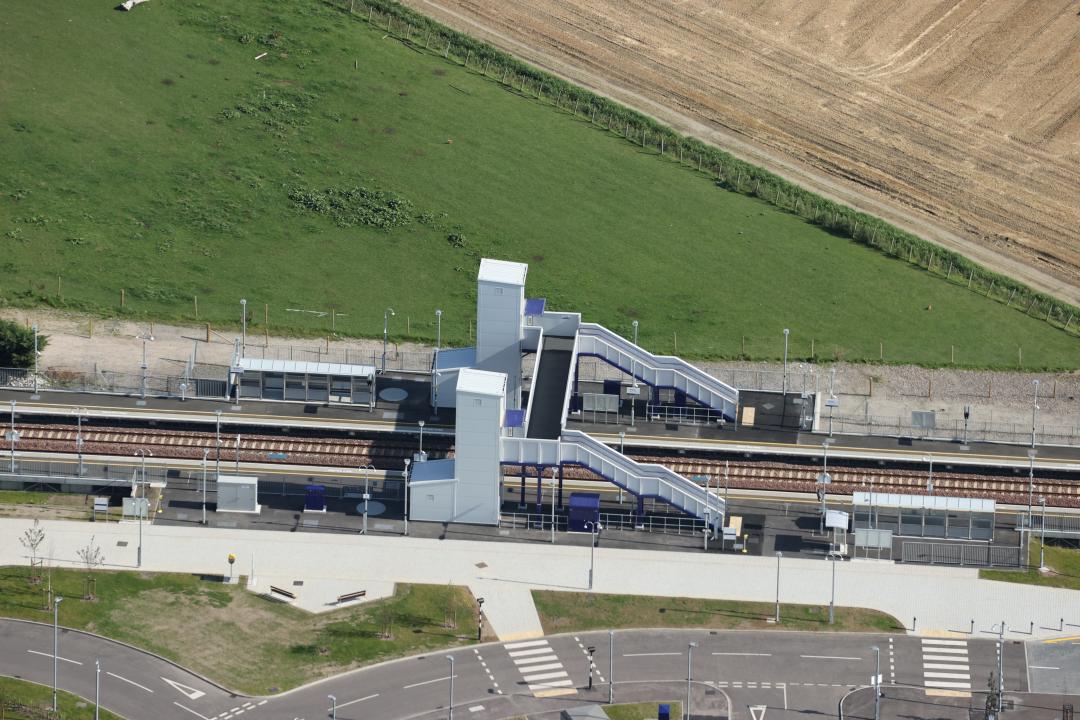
729	172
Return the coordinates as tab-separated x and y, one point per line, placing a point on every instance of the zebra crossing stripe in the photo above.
520	662
526	644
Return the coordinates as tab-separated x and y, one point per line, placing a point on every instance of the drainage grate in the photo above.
121	543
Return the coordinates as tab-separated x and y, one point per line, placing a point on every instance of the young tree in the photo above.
31	540
17	345
91	557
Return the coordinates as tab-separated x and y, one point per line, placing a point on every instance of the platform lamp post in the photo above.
405	475
1031	484
1034	413
243	327
35	328
877	683
1042	536
930	477
385	330
786	333
333	706
611	667
438	330
205	455
55	636
97	689
594	529
633	376
823	482
689	661
450	707
778	556
421	424
832	597
79	438
364	469
145	366
13	437
144	505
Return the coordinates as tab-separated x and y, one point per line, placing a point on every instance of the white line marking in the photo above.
552	684
948	650
476	708
945	666
1044	667
541	668
649	654
183	707
129	682
539	658
353	702
526	644
526	653
263	702
942	684
927	641
73	662
945	658
948	676
427	682
744	654
543	677
189	692
829	657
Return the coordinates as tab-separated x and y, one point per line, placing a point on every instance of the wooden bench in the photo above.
347	597
283	593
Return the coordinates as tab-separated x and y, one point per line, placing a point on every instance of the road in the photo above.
791	673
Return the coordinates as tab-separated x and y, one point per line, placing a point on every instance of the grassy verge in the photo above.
640	711
566	612
45	505
199	623
1064	564
22	700
345	151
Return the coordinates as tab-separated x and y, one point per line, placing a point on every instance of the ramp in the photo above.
549	389
661	371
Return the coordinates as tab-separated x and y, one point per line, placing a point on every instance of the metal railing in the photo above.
409	361
1056	525
960	554
952	429
45	472
663	524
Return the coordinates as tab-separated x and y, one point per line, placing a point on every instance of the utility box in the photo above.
238	493
663	712
315	499
584	509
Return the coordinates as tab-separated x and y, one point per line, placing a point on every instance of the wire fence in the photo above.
409	361
958	554
952	429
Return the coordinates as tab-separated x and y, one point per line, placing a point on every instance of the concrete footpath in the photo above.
942	599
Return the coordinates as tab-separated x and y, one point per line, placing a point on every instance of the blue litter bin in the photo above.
663	712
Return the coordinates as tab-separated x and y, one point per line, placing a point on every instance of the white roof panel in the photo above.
502	271
238	479
925	502
310	368
481	382
456	358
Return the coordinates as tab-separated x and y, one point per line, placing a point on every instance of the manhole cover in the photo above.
393	394
374	508
121	543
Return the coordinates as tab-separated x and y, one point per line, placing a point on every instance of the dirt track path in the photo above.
858	141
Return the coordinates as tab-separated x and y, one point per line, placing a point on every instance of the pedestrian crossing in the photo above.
945	664
540	668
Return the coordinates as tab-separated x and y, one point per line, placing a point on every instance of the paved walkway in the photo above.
941	599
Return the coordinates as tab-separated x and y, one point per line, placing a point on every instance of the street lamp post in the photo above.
333	706
79	439
205	455
421	424
1042	536
786	333
877	683
594	529
591	649
145	369
36	380
1031	485
56	634
778	556
832	596
689	660
367	495
406	477
611	667
824	480
385	329
1034	413
13	437
438	330
451	705
217	456
143	506
243	327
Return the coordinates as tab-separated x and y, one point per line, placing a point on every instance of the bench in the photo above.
283	593
347	597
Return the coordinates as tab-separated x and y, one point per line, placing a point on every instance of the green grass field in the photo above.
151	152
572	612
197	623
23	700
1064	564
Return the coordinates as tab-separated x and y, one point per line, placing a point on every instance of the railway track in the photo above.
387	453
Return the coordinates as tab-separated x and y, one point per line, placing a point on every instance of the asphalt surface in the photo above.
792	674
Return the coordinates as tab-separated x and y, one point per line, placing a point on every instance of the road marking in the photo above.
190	692
541	668
829	657
184	707
1061	640
943	684
538	659
946	666
476	708
526	653
129	682
427	682
952	676
650	654
551	685
742	654
1044	667
353	702
73	662
946	650
929	641
526	644
944	658
543	677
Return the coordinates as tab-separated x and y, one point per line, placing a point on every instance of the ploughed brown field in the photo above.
957	119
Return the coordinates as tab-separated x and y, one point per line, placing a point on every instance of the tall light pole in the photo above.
930	477
55	636
421	424
367	496
594	529
778	556
451	705
217	456
97	689
205	455
786	333
832	403
1031	486
145	366
1042	536
144	505
611	666
832	597
824	481
36	385
243	327
333	706
405	475
385	329
689	660
12	437
438	330
79	438
877	683
1034	413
